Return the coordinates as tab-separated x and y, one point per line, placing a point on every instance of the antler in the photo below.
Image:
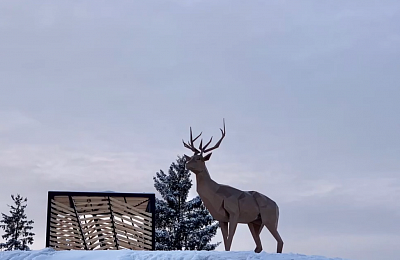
204	150
191	145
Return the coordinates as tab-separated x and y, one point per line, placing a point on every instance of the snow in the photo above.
50	254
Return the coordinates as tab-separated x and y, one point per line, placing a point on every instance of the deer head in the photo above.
196	163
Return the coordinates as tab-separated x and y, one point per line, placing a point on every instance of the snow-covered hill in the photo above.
50	254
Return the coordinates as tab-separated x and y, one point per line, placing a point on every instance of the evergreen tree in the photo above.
181	224
17	228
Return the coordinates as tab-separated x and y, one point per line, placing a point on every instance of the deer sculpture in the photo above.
229	205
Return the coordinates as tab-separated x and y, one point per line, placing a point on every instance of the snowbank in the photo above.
50	254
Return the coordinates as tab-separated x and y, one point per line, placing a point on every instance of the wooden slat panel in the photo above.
100	231
54	222
139	244
102	235
62	211
129	246
146	214
132	229
65	207
100	222
56	213
141	241
118	213
92	208
73	239
66	247
92	203
130	223
62	220
128	236
132	212
99	212
136	201
86	220
98	235
62	223
128	240
131	226
62	247
66	231
136	222
133	200
62	199
99	217
84	199
133	239
57	233
140	203
97	243
100	226
133	234
67	244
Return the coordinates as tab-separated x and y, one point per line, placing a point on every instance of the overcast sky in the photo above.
97	95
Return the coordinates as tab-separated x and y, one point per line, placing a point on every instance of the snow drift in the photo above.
51	254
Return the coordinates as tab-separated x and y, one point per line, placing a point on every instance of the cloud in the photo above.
15	120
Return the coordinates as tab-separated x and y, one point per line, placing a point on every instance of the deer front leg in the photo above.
233	221
224	230
255	230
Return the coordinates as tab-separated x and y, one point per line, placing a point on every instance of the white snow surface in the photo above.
51	254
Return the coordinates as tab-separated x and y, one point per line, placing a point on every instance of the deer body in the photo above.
229	205
215	196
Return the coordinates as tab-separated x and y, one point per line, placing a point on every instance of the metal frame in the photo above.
151	208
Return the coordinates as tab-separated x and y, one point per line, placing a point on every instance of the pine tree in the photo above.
181	224
17	228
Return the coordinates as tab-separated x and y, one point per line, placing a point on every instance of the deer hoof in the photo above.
258	249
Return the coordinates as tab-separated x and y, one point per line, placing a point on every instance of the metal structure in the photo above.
100	221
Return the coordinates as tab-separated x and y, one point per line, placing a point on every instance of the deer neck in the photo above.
204	182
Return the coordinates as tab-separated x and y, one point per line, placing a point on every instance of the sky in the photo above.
98	95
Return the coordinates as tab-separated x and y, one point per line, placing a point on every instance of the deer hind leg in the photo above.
276	235
270	220
224	230
255	230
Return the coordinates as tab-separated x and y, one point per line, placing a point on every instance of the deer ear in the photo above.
187	157
207	157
